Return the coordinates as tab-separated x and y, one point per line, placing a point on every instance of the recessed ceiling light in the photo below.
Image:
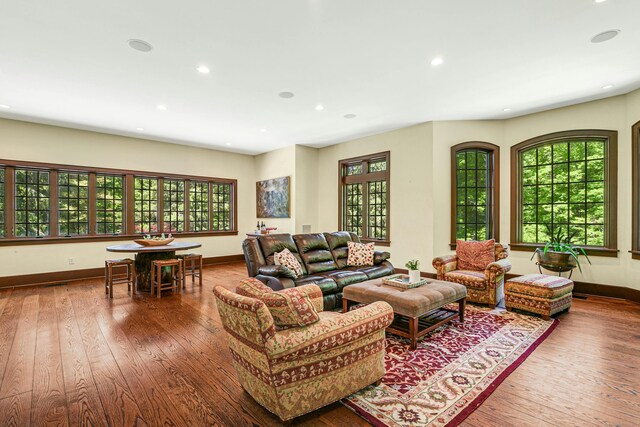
140	129
604	36
6	107
286	95
599	1
607	86
437	61
203	69
227	143
263	130
350	116
319	107
506	110
161	107
139	45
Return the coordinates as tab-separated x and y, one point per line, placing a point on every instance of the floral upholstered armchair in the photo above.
484	286
295	370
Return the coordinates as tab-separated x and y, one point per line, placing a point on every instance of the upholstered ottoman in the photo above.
538	293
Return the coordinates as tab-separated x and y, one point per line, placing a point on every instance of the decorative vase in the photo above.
414	276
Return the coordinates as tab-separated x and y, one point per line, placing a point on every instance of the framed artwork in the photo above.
272	198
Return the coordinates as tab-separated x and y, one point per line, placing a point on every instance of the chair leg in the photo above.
110	281
200	271
159	279
106	278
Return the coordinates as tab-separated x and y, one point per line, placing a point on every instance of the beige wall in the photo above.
411	201
41	143
306	188
277	164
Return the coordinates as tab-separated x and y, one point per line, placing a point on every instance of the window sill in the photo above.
635	254
102	238
377	242
591	251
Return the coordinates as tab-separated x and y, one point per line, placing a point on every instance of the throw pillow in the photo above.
288	307
474	255
286	258
360	254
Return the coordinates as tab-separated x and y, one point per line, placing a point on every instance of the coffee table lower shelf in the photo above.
417	327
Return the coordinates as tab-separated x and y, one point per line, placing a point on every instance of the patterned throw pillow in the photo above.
360	254
288	307
289	260
473	255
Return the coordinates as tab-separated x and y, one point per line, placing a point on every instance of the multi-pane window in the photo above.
173	205
566	187
109	204
32	207
73	203
353	208
199	206
221	207
474	180
145	205
44	202
364	196
2	217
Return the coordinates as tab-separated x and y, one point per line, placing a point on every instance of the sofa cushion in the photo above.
270	244
473	255
469	278
286	259
375	271
338	245
345	277
326	284
360	254
289	307
314	251
379	257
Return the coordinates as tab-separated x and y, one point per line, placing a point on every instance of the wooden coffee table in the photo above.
418	311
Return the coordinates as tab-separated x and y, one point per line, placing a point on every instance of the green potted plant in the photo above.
559	254
414	273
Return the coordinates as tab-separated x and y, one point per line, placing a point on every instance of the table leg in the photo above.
143	264
413	332
345	305
461	305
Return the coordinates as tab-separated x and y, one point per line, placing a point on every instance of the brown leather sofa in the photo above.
323	257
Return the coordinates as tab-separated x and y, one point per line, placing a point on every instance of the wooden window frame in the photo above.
611	190
635	185
128	215
494	177
365	177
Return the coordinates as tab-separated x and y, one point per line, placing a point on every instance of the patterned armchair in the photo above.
484	287
296	370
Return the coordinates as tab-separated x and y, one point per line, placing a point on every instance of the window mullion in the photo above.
92	204
187	205
53	204
160	204
9	201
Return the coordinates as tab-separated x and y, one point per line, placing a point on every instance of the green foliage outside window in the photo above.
109	204
199	206
173	207
32	194
563	188
473	194
146	205
73	204
221	204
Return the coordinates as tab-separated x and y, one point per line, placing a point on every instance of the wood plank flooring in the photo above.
70	356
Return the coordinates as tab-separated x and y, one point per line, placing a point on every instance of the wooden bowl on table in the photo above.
153	242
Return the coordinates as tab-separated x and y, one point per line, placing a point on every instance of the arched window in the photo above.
475	191
565	183
635	141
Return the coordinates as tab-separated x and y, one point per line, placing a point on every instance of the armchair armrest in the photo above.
276	271
445	264
498	267
379	257
330	332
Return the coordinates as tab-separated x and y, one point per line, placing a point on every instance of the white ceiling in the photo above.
68	62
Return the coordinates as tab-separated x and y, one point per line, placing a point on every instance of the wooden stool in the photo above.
128	278
156	275
191	266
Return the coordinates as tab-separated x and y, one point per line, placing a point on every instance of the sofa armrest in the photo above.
445	264
380	256
276	271
329	332
497	269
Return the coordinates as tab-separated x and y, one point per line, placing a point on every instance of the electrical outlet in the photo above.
72	261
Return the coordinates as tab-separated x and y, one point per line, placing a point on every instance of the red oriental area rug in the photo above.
453	370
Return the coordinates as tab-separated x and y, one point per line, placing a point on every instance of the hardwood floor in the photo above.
70	356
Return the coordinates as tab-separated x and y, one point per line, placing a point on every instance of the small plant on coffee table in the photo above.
412	264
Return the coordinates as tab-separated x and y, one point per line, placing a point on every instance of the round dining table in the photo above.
145	255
